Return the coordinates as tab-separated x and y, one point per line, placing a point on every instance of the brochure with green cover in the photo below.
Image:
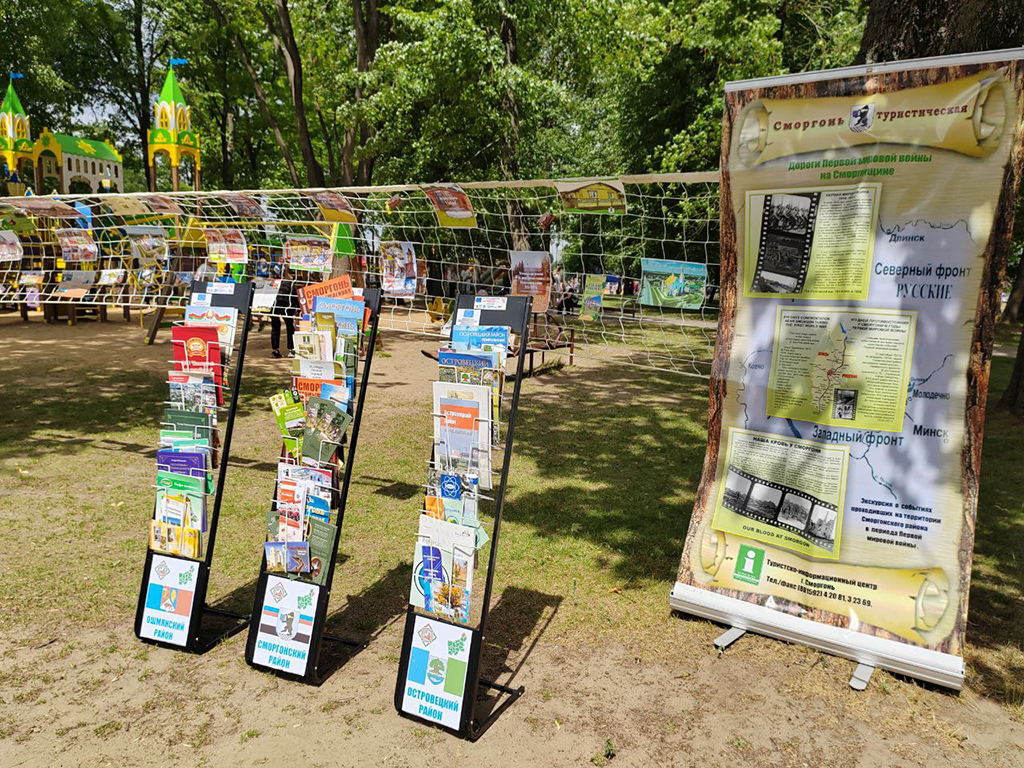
321	548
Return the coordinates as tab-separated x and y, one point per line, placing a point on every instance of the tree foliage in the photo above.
296	92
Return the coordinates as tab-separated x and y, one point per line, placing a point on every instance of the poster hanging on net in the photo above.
866	215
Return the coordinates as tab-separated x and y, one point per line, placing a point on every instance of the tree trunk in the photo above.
281	30
330	139
366	21
910	29
1014	312
510	153
142	83
261	99
348	151
1013	397
227	119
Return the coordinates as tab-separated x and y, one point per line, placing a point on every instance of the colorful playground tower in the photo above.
173	135
55	162
15	134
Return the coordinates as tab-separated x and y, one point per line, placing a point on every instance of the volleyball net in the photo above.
622	269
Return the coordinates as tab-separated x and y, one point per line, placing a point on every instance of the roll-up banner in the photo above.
866	216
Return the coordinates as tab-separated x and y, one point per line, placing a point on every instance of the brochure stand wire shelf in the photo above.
298	658
469	721
172	597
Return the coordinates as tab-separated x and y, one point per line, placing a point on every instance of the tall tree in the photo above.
56	60
131	41
282	32
366	21
903	29
908	29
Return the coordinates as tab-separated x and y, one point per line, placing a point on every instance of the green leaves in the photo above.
445	89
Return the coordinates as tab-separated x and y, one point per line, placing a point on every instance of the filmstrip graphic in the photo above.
844	404
782	507
784	251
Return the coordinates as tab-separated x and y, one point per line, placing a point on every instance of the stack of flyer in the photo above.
313	417
466	412
202	346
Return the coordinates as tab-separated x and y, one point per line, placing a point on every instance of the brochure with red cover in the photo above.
197	350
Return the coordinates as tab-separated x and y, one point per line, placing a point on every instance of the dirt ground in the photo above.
607	682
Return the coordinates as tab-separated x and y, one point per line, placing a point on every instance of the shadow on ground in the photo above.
638	439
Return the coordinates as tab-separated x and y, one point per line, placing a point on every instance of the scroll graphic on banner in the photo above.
864	216
969	115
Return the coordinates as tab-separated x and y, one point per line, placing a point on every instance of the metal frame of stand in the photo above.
516	316
313	674
239	298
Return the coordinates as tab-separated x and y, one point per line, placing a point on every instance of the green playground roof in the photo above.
73	145
171	92
11	101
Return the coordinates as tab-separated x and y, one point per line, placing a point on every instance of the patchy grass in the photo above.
604	472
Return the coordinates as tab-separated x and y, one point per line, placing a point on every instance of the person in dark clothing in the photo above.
287	304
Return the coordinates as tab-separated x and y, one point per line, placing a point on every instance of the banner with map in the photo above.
865	227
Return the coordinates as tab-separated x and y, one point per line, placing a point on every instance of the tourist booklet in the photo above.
462	428
483	367
197	350
223	319
442	579
338	287
348	313
319	485
193	392
290	415
291	510
326	424
469	337
183	508
321	547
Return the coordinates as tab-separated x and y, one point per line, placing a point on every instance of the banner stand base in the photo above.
900	658
729	637
861	677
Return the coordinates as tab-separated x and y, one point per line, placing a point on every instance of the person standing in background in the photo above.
286	304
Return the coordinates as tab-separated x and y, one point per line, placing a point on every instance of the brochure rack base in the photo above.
172	596
188	634
295	610
429	640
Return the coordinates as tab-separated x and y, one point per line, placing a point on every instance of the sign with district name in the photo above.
840	486
167	613
435	680
286	625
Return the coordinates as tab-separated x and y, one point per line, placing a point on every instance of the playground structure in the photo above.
173	135
54	162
